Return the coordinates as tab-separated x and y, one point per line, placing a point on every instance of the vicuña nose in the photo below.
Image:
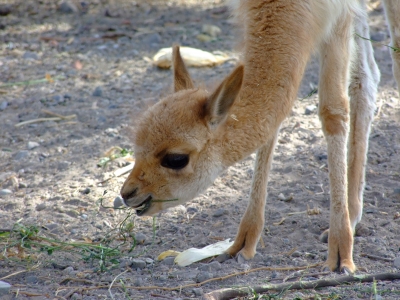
127	193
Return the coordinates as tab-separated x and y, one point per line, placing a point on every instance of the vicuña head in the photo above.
179	143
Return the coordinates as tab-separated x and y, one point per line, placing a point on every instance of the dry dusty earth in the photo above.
94	63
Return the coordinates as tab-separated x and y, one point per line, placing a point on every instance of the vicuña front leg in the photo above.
252	223
334	115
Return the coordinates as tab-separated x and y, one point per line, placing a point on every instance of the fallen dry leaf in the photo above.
167	253
192	255
193	58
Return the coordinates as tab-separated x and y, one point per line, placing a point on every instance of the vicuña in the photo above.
186	140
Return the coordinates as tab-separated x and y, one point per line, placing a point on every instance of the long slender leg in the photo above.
363	88
392	9
252	223
334	115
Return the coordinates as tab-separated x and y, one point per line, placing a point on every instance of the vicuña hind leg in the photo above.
365	77
363	88
252	223
334	114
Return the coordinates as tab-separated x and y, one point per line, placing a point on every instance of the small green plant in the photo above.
25	241
113	153
313	91
373	41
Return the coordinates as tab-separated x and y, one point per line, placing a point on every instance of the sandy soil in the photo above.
96	61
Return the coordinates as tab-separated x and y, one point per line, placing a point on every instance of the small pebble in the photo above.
370	210
98	92
4	288
140	238
125	263
31	279
192	210
281	197
198	292
67	7
58	266
202	276
68	270
149	261
215	265
310	109
30	55
169	261
205	38
397	262
211	30
138	264
86	191
63	165
152	40
118	202
58	98
22	154
5	10
22	185
163	278
3	105
41	206
32	145
219	212
112	132
138	281
76	296
296	254
72	213
5	192
223	257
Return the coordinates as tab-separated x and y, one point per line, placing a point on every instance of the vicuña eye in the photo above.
175	161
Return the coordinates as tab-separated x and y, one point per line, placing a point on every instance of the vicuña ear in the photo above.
182	80
221	100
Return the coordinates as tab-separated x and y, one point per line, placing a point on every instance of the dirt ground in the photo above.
94	63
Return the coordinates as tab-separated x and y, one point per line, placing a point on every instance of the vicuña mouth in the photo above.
140	210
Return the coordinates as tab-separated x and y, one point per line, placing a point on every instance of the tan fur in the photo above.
187	139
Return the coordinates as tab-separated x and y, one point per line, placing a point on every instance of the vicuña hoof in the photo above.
345	267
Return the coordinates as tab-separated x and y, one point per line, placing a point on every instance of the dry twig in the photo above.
376	257
45	120
230	293
154	287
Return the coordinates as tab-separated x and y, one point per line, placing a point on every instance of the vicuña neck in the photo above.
265	100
